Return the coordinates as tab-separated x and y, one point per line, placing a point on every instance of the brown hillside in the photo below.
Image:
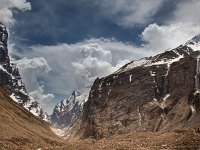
20	130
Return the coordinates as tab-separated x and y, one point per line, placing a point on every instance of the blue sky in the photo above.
63	45
50	22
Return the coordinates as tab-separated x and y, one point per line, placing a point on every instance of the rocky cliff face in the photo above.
11	80
159	93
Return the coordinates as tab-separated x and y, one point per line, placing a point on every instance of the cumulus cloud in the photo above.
94	62
41	97
75	66
6	16
121	51
6	6
31	70
34	63
129	12
186	12
159	38
182	24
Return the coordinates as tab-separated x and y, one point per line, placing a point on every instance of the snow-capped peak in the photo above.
79	97
194	43
68	110
196	38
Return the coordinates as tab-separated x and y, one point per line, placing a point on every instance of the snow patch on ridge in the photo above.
147	63
14	98
194	46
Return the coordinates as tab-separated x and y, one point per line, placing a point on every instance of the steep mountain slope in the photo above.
22	130
159	93
11	80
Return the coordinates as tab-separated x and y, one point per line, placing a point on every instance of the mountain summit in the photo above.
194	43
68	110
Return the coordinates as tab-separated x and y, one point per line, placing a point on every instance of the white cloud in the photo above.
187	12
34	63
129	12
164	37
41	97
94	62
6	16
6	6
31	70
75	66
120	50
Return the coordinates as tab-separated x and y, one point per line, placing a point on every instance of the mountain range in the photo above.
151	103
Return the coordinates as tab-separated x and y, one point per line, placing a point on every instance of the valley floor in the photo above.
180	140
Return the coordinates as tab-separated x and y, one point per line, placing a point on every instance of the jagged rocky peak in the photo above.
11	80
68	110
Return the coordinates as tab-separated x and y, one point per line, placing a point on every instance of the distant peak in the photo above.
194	43
196	38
